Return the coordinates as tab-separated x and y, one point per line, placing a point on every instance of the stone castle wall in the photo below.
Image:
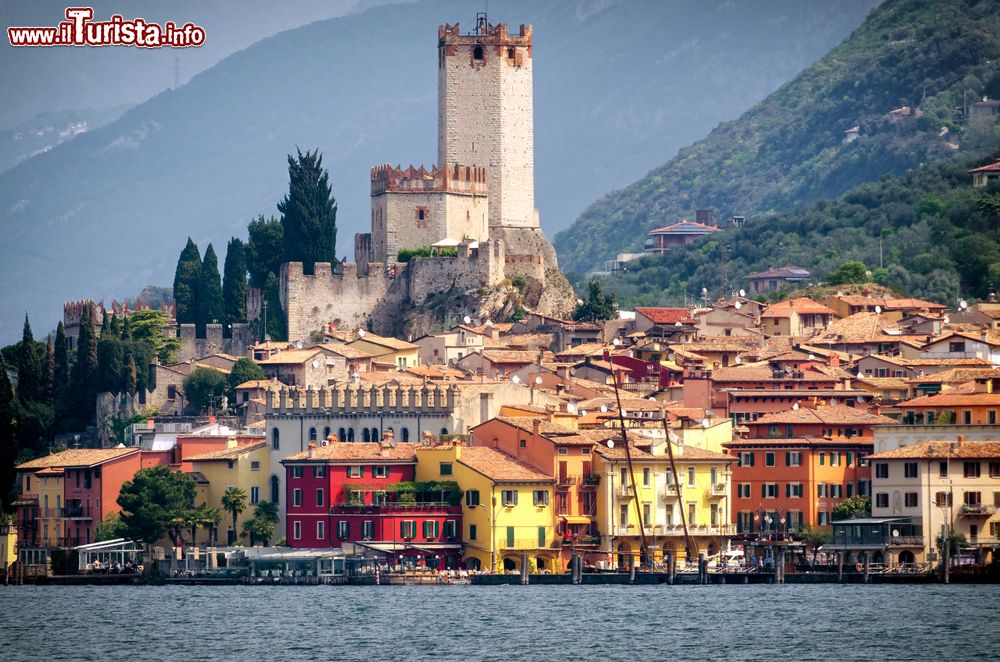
313	301
397	223
214	342
485	115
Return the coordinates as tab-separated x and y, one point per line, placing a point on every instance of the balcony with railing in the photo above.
717	490
973	510
77	512
670	492
625	491
906	541
348	508
590	481
565	481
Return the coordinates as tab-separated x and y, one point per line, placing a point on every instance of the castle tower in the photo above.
485	115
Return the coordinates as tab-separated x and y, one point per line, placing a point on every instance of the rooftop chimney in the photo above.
312	450
536	426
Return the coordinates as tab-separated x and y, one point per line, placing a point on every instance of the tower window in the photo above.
510	53
477	53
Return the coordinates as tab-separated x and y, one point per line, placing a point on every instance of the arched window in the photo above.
350	434
275	444
510	53
405	433
275	488
342	436
312	434
366	434
444	430
477	53
326	433
375	436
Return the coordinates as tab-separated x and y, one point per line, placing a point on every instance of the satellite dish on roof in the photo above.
580	301
812	357
361	333
538	381
611	443
705	423
795	407
315	363
570	407
743	292
489	322
946	320
604	409
861	399
737	305
878	309
678	323
515	379
963	304
467	319
616	342
267	337
624	413
739	360
583	412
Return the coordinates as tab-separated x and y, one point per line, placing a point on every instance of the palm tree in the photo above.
235	501
212	520
261	525
816	539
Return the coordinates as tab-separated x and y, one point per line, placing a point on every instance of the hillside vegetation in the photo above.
789	150
940	239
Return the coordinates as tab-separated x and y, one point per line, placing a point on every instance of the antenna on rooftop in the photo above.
481	23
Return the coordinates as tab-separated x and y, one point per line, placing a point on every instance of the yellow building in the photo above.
699	499
506	509
246	467
49	484
8	548
393	351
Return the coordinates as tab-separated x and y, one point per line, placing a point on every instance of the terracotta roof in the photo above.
957	376
992	167
930	450
801	305
828	415
269	384
885	382
667	315
436	372
349	452
782	272
76	457
960	400
499	467
509	356
345	351
584	349
798	442
527	423
296	356
762	372
227	453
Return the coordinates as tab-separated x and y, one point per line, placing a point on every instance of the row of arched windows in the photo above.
345	434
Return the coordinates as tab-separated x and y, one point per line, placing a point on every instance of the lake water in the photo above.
799	622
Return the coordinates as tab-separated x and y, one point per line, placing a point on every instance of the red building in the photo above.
350	493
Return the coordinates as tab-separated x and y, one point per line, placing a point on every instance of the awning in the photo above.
390	547
576	519
446	243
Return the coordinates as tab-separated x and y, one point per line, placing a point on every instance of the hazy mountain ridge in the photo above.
788	150
106	213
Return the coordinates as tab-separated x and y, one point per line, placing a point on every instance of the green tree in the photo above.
234	283
261	526
234	501
265	249
116	326
815	538
851	507
211	519
243	370
309	212
598	306
49	373
84	378
211	309
152	501
60	377
110	528
275	326
29	367
847	273
8	441
110	364
151	328
203	388
131	377
187	278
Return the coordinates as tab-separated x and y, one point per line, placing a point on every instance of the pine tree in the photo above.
84	381
29	367
187	277
234	283
60	375
210	306
309	212
275	315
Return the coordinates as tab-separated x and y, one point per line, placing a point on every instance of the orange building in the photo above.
957	409
559	452
797	465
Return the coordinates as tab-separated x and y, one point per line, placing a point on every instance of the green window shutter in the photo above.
510	536
788	459
541	536
752	458
763	490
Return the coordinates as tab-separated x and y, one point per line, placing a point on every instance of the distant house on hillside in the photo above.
684	232
773	279
851	135
984	175
903	113
988	108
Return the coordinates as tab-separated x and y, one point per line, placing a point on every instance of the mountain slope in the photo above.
788	150
617	85
935	236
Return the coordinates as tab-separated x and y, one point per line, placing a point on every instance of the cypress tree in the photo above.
309	212
234	283
131	376
60	375
127	329
275	315
186	280
105	324
116	326
210	306
49	373
265	249
29	367
84	381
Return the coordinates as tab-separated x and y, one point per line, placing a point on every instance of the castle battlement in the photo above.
295	271
386	399
455	178
493	35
